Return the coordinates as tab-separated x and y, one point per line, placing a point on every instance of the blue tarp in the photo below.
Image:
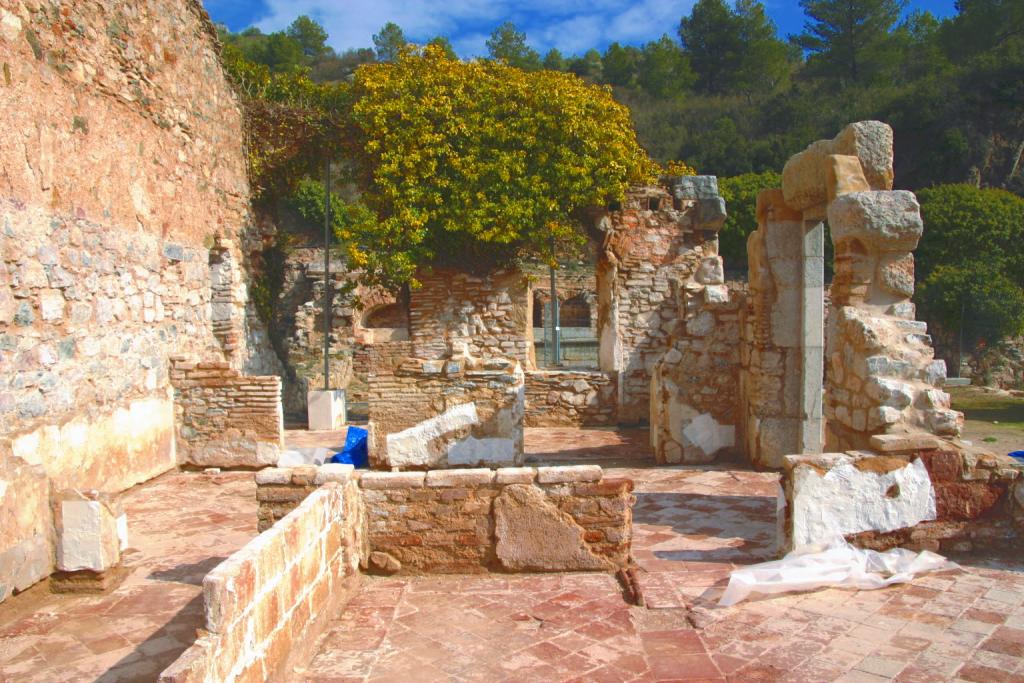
354	451
1019	455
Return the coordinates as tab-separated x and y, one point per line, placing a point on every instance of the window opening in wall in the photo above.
576	285
654	204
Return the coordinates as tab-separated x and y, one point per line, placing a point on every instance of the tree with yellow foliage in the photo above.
478	164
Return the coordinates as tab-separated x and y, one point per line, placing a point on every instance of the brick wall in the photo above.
267	604
226	419
512	519
488	316
570	398
424	390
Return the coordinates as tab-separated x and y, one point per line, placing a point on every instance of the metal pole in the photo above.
960	345
327	275
556	353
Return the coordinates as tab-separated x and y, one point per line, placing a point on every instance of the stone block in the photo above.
872	143
333	472
569	474
88	530
884	221
326	409
843	175
838	494
451	478
392	480
273	475
534	535
904	443
515	475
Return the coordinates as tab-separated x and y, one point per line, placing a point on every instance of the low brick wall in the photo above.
224	418
267	604
923	493
570	398
519	519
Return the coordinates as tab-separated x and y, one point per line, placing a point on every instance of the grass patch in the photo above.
977	405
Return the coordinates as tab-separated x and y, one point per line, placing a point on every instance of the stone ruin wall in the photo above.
297	331
652	241
120	166
447	413
570	398
519	519
481	316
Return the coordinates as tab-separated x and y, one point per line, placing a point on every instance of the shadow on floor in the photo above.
159	651
716	528
191	573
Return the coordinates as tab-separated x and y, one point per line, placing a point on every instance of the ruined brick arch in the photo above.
576	308
384	320
576	311
387	316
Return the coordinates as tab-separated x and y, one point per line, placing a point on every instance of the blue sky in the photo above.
572	27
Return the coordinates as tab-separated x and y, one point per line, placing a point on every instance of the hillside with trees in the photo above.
726	93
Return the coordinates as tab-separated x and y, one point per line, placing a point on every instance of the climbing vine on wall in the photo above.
292	124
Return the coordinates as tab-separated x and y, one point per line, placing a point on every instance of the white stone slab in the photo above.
326	409
847	500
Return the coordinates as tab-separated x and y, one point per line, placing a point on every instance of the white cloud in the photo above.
565	24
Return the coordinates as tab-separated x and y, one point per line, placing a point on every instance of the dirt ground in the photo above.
992	418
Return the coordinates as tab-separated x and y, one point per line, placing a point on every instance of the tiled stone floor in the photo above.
180	527
691	526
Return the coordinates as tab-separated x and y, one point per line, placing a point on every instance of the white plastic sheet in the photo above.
304	456
837	565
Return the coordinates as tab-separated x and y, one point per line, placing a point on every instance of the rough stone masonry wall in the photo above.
507	520
652	240
224	418
485	317
120	161
267	604
696	383
447	413
882	372
570	398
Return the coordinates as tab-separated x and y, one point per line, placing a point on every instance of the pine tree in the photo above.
846	38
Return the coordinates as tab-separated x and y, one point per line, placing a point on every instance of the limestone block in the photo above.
465	478
886	221
896	274
568	474
515	475
711	214
89	531
897	443
803	177
837	494
843	175
694	187
710	271
871	142
772	208
491	451
326	409
532	534
412	447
